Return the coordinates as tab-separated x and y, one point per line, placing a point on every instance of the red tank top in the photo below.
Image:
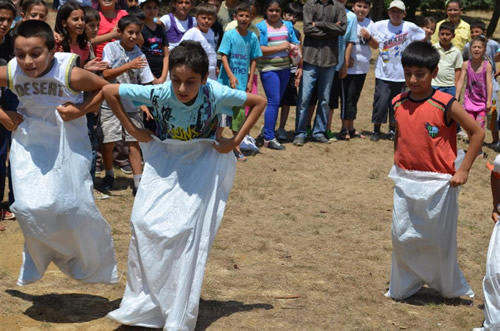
426	141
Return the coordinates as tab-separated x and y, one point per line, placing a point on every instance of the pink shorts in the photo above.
478	116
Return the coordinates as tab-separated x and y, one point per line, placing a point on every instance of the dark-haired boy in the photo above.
127	65
239	51
185	186
50	156
7	100
425	212
202	33
450	63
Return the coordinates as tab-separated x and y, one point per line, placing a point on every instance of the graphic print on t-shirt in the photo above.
393	45
202	123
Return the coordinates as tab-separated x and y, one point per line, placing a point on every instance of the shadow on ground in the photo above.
210	311
428	296
66	308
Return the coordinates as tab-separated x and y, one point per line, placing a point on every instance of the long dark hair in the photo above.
62	15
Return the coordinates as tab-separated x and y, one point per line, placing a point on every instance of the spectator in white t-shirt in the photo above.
202	32
393	36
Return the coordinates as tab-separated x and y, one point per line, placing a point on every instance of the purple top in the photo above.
475	90
174	35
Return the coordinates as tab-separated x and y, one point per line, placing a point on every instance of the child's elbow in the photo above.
108	90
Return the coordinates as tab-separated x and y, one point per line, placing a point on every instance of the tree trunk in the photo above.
494	19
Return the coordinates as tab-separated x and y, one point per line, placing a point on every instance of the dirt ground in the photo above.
305	244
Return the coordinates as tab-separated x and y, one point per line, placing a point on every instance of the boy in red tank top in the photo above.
425	212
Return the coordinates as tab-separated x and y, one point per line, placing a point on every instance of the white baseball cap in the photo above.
397	4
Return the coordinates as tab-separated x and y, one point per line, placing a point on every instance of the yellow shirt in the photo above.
462	34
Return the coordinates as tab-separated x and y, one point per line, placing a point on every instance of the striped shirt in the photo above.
279	60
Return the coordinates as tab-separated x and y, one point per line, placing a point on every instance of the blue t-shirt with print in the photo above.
240	50
176	120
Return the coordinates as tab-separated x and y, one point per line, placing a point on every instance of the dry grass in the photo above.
305	244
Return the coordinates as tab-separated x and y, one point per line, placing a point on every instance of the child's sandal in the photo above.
344	135
240	157
355	134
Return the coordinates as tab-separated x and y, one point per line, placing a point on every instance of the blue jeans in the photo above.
323	77
451	90
274	83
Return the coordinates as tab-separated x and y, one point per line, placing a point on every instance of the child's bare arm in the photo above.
458	73
257	105
137	63
489	85
83	80
457	113
164	72
105	37
460	83
9	119
233	81
253	65
112	96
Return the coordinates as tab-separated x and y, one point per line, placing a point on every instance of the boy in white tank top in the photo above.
50	157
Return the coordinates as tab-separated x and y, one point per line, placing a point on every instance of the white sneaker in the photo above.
281	135
100	196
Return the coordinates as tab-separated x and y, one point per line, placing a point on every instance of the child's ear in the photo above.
434	72
204	79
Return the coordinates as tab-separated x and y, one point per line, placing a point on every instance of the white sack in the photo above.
491	283
54	204
176	213
424	240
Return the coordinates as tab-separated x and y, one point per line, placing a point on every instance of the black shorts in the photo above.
385	91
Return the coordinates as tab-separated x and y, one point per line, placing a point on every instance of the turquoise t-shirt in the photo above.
174	119
240	50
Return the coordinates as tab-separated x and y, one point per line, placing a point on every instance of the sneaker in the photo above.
375	136
6	215
274	144
462	135
299	141
330	136
321	139
126	169
100	196
282	135
107	183
391	135
309	132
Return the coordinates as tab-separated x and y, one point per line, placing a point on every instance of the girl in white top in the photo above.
177	22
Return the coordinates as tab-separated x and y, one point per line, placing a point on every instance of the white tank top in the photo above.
39	97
